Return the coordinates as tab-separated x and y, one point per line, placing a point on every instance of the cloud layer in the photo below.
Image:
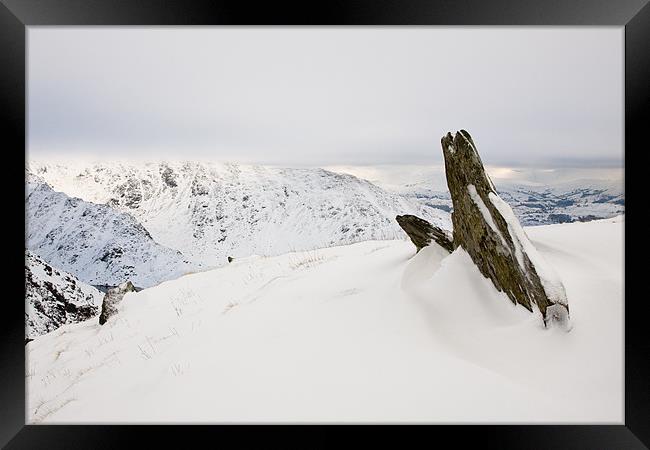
327	95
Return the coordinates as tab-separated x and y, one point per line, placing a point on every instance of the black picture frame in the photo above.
16	15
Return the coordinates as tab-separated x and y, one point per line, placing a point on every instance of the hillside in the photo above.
209	211
54	298
366	332
94	242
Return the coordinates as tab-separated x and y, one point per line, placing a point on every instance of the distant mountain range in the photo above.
580	201
537	196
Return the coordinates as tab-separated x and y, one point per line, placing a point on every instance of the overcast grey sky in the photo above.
327	96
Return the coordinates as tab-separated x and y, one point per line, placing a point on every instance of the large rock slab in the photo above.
111	300
422	232
485	227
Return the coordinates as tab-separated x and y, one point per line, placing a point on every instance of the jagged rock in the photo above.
112	298
485	226
422	232
54	298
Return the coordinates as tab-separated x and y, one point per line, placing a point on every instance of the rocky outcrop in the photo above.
54	298
486	228
422	232
111	300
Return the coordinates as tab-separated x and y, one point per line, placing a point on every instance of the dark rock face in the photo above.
422	232
54	298
486	228
169	177
112	298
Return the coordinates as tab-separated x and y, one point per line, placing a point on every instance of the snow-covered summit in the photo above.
96	243
210	211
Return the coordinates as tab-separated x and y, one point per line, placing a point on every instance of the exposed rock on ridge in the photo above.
422	232
112	298
54	298
485	226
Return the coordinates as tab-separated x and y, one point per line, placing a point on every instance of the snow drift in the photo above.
367	332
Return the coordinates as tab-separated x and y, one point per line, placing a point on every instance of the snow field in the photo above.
368	332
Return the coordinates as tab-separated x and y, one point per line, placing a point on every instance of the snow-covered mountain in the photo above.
368	332
210	211
54	298
537	196
96	243
577	201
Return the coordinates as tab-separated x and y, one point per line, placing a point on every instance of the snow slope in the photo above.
210	211
54	298
368	332
98	244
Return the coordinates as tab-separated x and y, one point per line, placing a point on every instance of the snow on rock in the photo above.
54	298
112	298
487	229
99	245
550	280
366	332
210	211
485	212
422	233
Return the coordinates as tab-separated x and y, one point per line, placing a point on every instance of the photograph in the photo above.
324	225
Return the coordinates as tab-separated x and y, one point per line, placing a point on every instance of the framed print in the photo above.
397	214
